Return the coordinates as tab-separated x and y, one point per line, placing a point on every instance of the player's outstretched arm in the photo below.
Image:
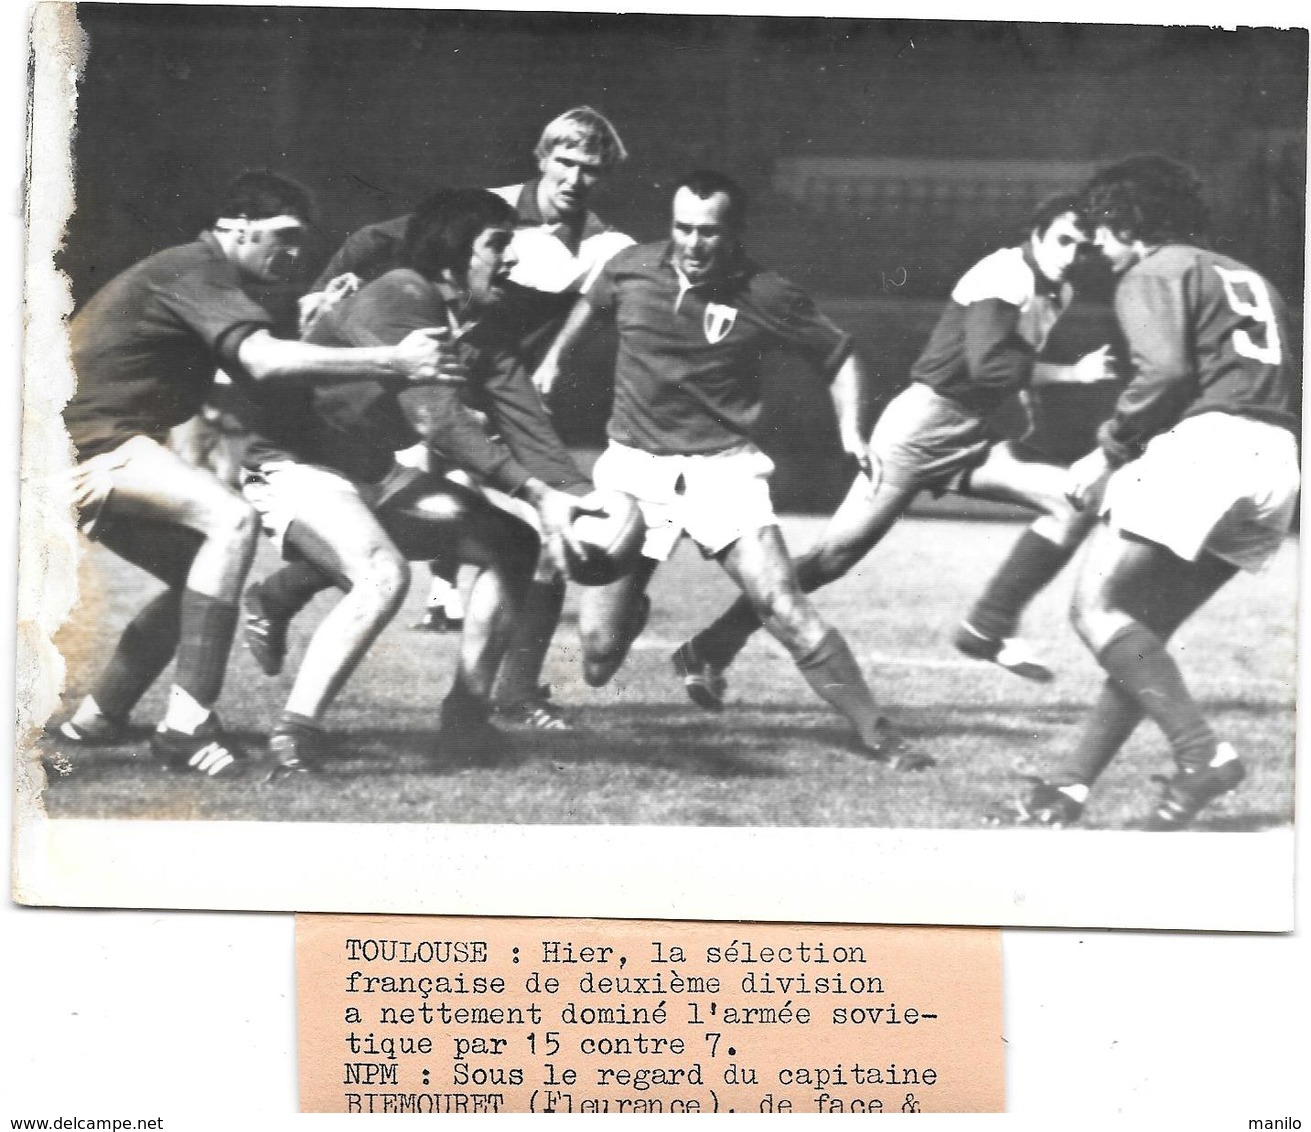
849	391
423	356
571	334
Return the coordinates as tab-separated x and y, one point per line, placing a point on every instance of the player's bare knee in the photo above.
603	652
232	520
790	616
382	583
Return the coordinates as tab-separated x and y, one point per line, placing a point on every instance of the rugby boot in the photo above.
538	712
1191	790
704	683
207	752
466	737
891	748
1011	653
294	754
89	729
1044	805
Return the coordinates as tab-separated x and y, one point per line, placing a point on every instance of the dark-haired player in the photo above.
1075	382
939	434
694	314
145	349
323	474
1202	458
559	245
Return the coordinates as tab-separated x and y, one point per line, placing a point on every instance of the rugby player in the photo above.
322	473
1075	382
938	434
146	349
1201	455
694	315
559	244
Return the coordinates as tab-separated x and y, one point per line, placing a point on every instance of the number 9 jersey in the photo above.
1205	333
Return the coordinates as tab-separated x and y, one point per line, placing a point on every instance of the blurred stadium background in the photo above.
882	157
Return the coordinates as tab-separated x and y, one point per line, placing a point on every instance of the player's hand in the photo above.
1085	478
545	377
339	286
430	357
1094	367
315	305
556	511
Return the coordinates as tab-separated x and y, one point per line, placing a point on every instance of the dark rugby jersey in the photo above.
1205	334
555	262
688	370
357	427
147	345
984	345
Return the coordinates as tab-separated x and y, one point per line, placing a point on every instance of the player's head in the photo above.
1058	235
260	223
1142	202
462	237
709	213
575	154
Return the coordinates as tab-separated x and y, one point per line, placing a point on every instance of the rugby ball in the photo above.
610	529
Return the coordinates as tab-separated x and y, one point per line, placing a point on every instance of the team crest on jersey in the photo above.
718	321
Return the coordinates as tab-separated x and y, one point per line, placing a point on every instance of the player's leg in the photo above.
152	490
520	695
920	440
989	631
865	515
610	619
1162	603
333	528
443	612
272	604
454	523
1115	713
148	643
759	563
1107	617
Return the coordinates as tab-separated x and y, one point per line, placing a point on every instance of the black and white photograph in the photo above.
762	466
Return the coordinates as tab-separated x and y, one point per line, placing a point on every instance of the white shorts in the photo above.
1216	483
714	500
420	457
90	483
278	487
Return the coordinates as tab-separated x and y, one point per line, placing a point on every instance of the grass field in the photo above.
641	753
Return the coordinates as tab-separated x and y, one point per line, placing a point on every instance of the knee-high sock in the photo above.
1111	721
1135	658
206	630
831	669
1031	565
291	587
719	642
521	669
144	651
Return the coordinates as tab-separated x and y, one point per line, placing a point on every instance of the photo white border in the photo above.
1206	881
